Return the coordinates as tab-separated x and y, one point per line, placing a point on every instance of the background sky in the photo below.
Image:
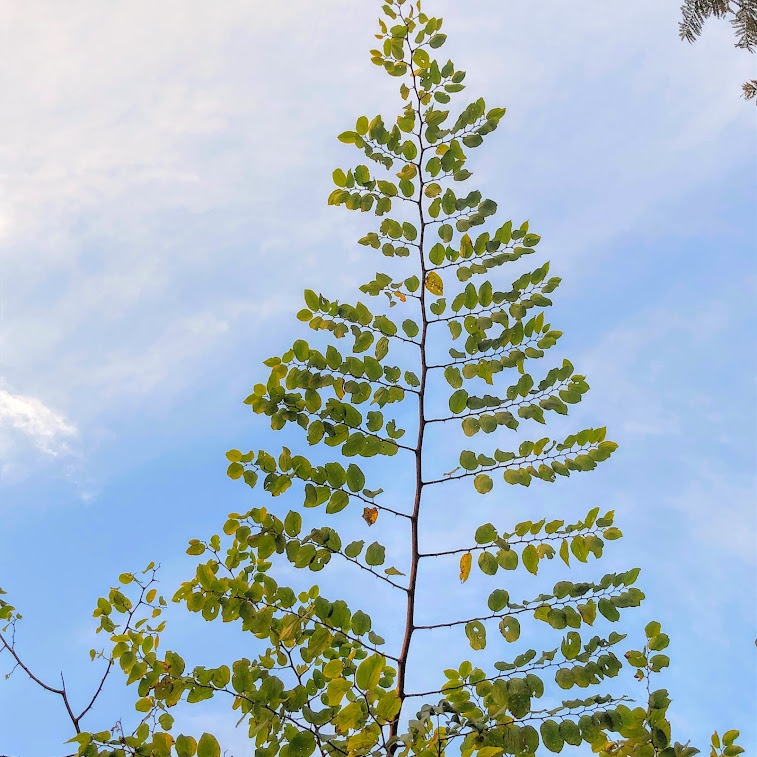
163	175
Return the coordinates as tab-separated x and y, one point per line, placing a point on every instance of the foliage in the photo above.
320	676
742	15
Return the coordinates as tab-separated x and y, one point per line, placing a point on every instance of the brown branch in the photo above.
507	674
509	464
26	670
474	259
337	372
369	569
317	621
490	356
556	536
375	330
360	429
515	611
62	692
533	396
99	689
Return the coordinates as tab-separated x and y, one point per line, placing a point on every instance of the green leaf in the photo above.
361	127
476	633
339	500
333	669
658	662
186	746
608	609
487	563
349	717
509	627
302	744
375	554
388	706
410	328
452	374
382	348
235	471
729	737
355	478
468	460
421	58
361	623
354	549
369	672
508	559
143	705
498	600
485	534
564	552
208	746
471	426
483	484
293	523
312	300
530	559
551	736
570	732
588	612
335	691
659	642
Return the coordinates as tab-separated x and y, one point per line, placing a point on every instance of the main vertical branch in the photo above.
415	552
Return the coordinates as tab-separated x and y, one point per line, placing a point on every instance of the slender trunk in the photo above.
415	552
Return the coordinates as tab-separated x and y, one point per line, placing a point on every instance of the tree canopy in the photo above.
462	313
742	15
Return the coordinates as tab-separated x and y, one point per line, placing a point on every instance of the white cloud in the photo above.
49	431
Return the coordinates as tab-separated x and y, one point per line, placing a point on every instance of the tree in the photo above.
321	677
742	15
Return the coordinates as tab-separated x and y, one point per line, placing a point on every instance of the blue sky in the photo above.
163	175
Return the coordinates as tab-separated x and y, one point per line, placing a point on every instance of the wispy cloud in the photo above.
49	431
141	192
28	429
636	381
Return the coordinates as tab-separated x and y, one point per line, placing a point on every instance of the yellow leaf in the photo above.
362	742
489	751
434	283
370	515
401	297
465	566
335	691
